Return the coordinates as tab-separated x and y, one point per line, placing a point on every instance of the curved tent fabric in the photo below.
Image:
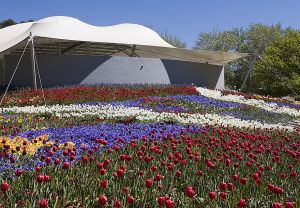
138	40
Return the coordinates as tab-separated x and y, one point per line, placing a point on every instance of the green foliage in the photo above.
6	23
10	22
173	40
279	72
253	39
221	41
169	37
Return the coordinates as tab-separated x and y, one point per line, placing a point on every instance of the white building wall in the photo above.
221	83
66	70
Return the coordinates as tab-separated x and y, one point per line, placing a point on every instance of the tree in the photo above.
168	37
6	23
278	73
253	39
173	40
10	22
221	41
231	41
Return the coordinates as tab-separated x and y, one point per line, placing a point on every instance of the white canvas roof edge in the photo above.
71	29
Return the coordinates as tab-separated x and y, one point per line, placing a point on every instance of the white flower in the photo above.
272	107
143	115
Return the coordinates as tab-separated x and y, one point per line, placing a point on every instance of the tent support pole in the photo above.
248	72
34	83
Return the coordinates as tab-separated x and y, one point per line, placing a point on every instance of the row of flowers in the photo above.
156	165
24	151
279	101
273	107
108	111
80	94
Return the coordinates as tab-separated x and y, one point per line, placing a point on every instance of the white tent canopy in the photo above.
57	35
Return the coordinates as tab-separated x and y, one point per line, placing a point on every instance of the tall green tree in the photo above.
278	73
253	39
230	40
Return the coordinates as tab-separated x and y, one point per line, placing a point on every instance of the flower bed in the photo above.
141	146
80	94
162	165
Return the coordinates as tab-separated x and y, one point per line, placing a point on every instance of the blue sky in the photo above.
185	19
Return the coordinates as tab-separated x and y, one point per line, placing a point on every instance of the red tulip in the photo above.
37	169
65	153
130	199
102	171
153	168
40	178
255	176
100	165
66	165
222	186
183	162
161	200
243	181
270	187
117	203
149	183
241	203
189	192
235	177
116	148
278	190
293	174
19	173
282	175
276	205
212	195
223	195
289	205
169	203
199	172
227	162
124	190
120	173
158	177
55	148
123	157
141	173
56	161
46	178
102	199
72	157
103	184
258	182
47	160
43	203
129	158
4	186
106	163
230	186
177	174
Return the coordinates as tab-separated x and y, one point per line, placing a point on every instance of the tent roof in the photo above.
54	35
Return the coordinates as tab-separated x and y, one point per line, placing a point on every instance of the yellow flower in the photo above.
19	144
49	143
66	145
